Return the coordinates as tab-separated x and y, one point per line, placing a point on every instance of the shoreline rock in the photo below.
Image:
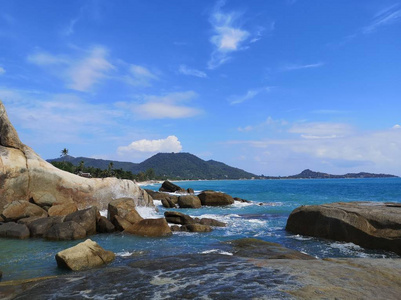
367	224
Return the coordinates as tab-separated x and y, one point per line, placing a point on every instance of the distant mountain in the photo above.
170	165
309	174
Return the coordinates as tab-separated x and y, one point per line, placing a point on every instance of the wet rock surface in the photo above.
368	224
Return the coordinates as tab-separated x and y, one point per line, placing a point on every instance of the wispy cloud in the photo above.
293	67
250	94
228	35
169	144
140	76
191	72
269	122
79	73
387	16
328	112
169	106
321	130
2	71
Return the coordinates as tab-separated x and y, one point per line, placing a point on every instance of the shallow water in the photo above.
35	257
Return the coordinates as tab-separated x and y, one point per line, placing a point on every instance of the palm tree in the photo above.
110	168
64	153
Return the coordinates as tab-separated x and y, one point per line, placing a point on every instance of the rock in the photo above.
39	227
176	217
25	175
26	221
241	200
85	255
87	218
167	203
65	231
190	191
212	222
189	201
150	228
170	187
367	224
62	209
255	248
211	198
14	230
175	228
1	219
103	225
196	228
1	274
121	224
22	209
124	208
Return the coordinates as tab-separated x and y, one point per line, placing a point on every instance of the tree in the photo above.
81	166
110	169
64	152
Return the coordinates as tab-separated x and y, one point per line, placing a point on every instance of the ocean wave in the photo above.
300	237
218	251
148	212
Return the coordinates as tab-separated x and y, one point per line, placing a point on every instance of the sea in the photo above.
264	218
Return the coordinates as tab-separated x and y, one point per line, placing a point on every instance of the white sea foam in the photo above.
217	251
124	253
148	212
300	237
103	213
157	202
242	204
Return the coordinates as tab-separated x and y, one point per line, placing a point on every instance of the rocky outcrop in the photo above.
14	230
87	218
176	217
150	228
62	209
85	255
65	231
39	227
211	222
103	225
196	228
211	198
370	225
189	201
124	208
24	176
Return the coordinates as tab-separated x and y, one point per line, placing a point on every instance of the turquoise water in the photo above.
35	257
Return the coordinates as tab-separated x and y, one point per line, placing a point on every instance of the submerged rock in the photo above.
212	222
150	228
212	198
14	230
196	228
85	255
367	224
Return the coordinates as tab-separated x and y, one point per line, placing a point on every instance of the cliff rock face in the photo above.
26	176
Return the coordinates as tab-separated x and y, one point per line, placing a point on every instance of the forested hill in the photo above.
170	165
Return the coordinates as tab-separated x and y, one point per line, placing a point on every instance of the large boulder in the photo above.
103	225
20	209
85	255
87	218
150	228
65	231
367	224
124	208
167	203
212	198
170	187
40	226
120	223
189	201
14	230
24	175
176	217
162	196
62	209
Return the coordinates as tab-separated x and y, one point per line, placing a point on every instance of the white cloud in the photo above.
250	94
397	126
169	106
90	70
2	71
387	16
79	73
140	76
191	72
228	35
269	122
321	130
293	67
169	144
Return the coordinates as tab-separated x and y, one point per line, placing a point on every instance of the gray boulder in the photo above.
86	218
85	255
14	230
40	226
367	224
211	198
103	225
189	201
170	187
69	230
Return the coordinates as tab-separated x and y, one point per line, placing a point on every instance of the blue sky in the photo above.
273	87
